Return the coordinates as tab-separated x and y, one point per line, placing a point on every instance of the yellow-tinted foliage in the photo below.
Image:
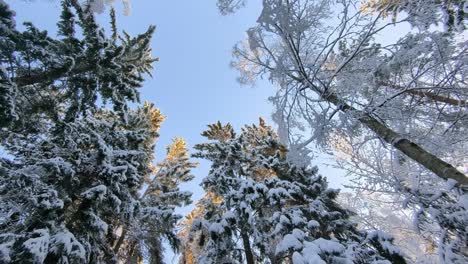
260	174
431	246
218	131
384	6
263	128
155	116
342	145
264	131
194	214
198	212
214	198
178	149
189	259
190	247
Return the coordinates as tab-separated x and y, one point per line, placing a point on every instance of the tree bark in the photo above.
124	231
247	249
431	162
134	256
431	96
414	151
120	241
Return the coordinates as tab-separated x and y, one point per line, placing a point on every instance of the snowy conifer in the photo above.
65	194
75	167
273	211
194	241
156	219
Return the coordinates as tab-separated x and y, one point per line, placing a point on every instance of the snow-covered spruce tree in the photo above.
194	241
63	197
273	211
142	238
57	80
74	170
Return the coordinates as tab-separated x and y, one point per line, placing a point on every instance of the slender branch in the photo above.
50	75
432	96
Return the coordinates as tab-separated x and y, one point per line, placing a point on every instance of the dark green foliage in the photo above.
262	208
74	169
69	74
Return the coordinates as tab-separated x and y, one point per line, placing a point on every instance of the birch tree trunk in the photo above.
412	150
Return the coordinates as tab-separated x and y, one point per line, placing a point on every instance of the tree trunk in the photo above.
248	250
431	96
120	241
411	149
134	256
124	231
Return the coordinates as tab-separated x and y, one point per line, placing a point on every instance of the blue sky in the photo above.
193	84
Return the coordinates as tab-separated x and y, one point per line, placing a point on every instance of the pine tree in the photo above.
194	241
156	218
7	87
78	156
273	211
65	194
63	78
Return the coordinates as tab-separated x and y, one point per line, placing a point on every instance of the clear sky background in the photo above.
193	84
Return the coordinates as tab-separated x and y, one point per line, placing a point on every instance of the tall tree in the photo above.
325	70
273	211
400	107
194	242
157	218
78	156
